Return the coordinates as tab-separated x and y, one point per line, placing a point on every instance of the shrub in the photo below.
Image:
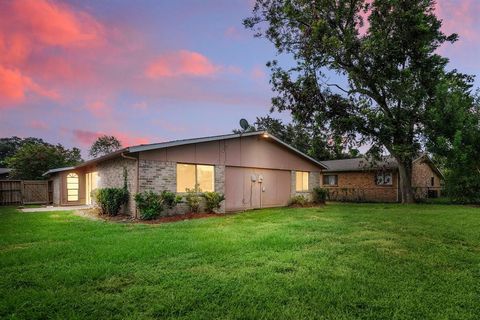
150	204
213	200
193	199
170	199
110	200
298	200
319	195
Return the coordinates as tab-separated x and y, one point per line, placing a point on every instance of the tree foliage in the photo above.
34	159
8	146
104	145
304	137
390	65
455	120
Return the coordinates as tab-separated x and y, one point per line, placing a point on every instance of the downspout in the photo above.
138	173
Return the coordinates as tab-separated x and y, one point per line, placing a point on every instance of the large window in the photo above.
384	179
189	175
330	180
301	181
72	187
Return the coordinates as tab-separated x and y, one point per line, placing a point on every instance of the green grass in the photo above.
365	261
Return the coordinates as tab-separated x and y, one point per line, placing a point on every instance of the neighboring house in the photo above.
253	170
360	180
4	173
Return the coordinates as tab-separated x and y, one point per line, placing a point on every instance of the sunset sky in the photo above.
150	71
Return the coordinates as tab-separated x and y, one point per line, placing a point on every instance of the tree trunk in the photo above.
406	190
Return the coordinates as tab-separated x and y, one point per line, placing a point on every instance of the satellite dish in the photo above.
244	124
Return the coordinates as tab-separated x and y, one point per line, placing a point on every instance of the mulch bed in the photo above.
93	214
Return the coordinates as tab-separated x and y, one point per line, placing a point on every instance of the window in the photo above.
72	187
330	180
189	175
383	179
301	181
432	181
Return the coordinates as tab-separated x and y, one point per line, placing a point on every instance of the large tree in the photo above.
104	145
305	138
390	65
32	160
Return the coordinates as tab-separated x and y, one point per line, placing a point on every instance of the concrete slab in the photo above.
52	208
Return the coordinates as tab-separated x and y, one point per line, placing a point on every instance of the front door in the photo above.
91	179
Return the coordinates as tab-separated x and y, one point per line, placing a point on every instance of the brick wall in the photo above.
313	181
158	176
422	174
360	186
110	173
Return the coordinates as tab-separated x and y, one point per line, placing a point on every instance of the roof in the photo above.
5	170
58	170
364	164
175	143
359	164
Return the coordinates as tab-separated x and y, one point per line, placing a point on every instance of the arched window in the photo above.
72	187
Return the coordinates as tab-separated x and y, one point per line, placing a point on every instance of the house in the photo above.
4	173
361	180
253	170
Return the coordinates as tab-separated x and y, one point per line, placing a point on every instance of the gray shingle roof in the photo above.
5	170
359	164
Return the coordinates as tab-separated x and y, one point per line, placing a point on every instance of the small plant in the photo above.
170	199
213	200
110	200
320	195
193	199
150	204
298	200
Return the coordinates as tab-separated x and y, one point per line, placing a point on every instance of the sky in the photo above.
151	71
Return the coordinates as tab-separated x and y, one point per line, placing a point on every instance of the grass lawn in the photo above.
358	261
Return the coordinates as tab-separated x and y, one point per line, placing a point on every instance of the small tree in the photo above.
104	145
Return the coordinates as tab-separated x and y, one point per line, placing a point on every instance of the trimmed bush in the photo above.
319	195
170	199
298	200
193	199
150	204
213	200
110	200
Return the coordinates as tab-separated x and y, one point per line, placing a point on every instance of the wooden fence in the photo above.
24	192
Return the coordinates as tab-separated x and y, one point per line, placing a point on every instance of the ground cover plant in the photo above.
339	261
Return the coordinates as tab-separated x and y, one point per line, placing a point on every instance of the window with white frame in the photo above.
301	181
330	180
72	187
191	175
384	179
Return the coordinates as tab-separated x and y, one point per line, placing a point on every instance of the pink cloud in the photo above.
459	17
86	137
27	27
99	109
181	63
257	73
14	86
37	124
140	105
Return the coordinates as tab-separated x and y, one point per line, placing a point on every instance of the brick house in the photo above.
253	170
361	180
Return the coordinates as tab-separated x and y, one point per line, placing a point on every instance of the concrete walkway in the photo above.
52	208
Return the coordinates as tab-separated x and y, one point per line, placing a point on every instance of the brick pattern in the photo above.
111	175
313	181
422	175
158	176
361	187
